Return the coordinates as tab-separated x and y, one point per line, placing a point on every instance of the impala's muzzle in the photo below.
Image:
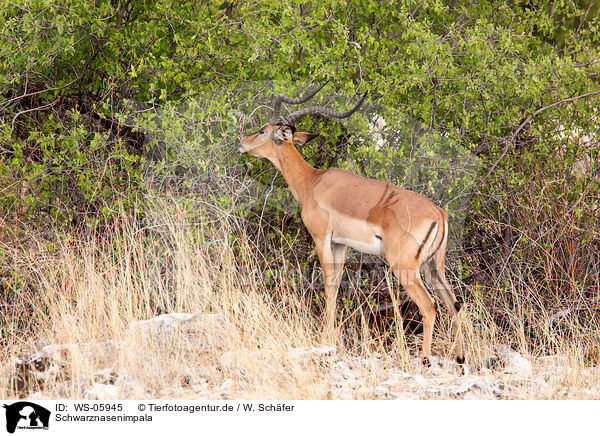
243	147
246	145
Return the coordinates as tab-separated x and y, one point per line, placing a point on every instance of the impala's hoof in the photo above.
460	360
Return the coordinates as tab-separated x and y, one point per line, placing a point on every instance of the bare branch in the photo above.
528	120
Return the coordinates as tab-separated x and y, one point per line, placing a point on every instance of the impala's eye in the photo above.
261	132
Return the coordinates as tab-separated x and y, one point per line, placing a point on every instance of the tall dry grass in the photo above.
69	289
89	289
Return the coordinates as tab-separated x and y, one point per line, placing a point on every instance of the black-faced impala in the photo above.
341	209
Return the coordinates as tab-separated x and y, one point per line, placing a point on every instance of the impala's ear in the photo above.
282	134
301	138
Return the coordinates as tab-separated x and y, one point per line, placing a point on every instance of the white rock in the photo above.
227	385
391	383
382	391
513	362
403	396
130	388
312	353
436	370
418	380
229	360
397	374
106	376
48	366
348	382
192	331
365	363
539	383
340	369
37	396
476	386
557	374
342	393
200	386
365	392
101	392
552	361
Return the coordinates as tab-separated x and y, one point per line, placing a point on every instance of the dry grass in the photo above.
89	290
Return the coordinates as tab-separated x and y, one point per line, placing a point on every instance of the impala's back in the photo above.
361	210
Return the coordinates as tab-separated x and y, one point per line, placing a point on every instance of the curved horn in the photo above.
280	98
292	118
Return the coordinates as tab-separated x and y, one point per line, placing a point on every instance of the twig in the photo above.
12	125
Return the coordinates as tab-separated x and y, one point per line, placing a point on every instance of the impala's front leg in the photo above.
332	257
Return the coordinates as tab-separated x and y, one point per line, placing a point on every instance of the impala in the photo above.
341	209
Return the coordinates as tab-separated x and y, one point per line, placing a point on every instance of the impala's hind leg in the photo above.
435	269
407	272
414	287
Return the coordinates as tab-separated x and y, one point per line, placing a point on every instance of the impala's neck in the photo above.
295	170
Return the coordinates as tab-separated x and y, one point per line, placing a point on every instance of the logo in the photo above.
26	415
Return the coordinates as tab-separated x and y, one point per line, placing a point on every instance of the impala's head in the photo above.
271	139
280	132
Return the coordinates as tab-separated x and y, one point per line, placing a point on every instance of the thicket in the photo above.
490	109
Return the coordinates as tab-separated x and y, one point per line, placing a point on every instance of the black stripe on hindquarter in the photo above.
425	240
440	243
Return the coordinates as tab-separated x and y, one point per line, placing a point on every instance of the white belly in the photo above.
374	246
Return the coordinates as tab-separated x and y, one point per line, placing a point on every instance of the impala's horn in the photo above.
293	118
280	98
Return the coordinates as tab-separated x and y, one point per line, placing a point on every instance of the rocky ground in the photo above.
129	369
